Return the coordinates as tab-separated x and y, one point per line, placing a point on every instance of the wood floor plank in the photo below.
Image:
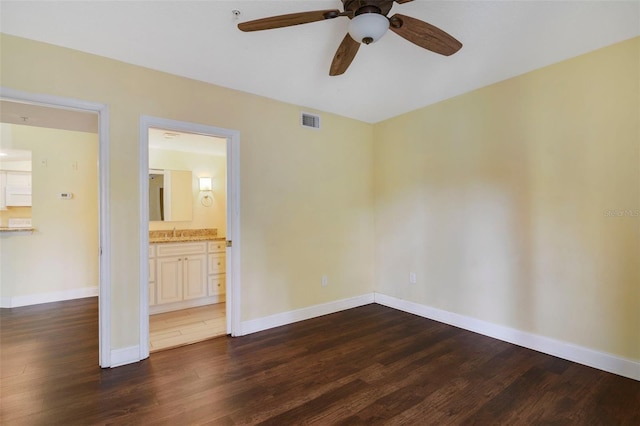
369	365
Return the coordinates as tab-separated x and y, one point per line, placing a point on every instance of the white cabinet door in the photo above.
3	190
169	279
152	276
152	294
195	276
152	270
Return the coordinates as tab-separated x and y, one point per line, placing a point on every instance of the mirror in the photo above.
170	195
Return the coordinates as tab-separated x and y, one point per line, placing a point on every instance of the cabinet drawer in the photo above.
217	263
217	246
217	285
152	251
179	249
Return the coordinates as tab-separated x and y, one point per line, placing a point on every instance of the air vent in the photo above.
310	120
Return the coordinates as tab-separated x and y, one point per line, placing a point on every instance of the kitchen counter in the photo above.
7	230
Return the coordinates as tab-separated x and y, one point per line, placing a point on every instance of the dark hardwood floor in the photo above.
369	365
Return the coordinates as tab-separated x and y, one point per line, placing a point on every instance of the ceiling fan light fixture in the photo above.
368	27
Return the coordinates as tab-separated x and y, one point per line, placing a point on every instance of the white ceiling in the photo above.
200	40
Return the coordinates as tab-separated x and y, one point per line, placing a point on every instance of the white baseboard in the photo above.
125	356
54	296
592	358
264	323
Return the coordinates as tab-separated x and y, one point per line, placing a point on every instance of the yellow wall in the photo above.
200	165
307	196
499	201
62	254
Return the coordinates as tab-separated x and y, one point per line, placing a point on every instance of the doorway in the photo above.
189	233
57	108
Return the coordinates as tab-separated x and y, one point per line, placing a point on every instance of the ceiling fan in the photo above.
369	22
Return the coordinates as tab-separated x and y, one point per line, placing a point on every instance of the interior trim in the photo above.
289	317
53	296
124	356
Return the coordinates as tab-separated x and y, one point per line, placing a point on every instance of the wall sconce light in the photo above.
205	186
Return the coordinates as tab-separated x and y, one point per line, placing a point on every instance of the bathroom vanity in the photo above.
185	271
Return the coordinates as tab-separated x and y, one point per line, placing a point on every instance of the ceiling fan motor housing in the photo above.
368	24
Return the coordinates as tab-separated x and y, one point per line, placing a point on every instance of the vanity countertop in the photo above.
183	235
181	239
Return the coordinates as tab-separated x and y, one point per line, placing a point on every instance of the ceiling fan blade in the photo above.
344	55
288	20
403	1
424	35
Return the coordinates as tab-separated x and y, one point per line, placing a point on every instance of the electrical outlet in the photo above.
412	277
324	281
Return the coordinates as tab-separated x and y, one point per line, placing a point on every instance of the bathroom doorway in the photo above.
187	237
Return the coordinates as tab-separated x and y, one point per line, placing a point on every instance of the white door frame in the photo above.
233	219
104	258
